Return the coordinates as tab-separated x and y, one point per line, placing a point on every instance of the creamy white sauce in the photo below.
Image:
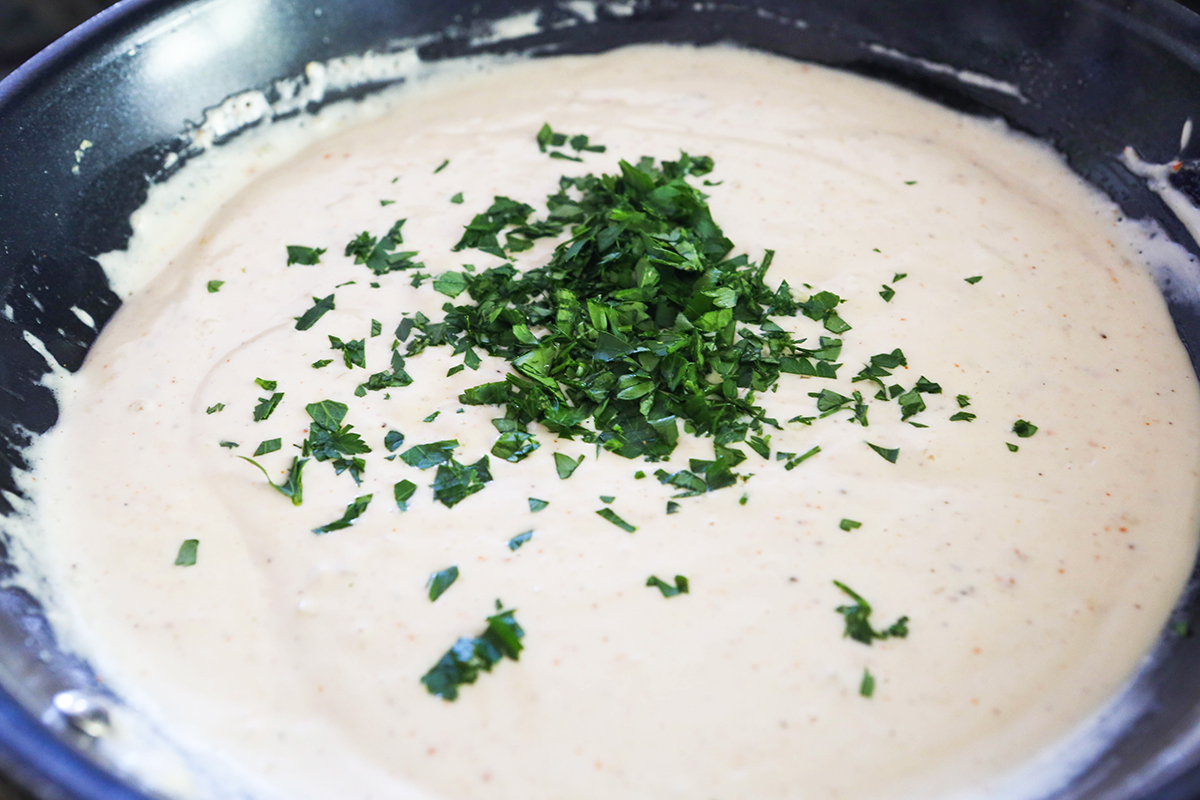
289	663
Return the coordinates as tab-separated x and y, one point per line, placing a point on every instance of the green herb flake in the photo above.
867	687
393	441
376	328
566	465
457	199
849	524
463	662
306	256
187	553
424	456
521	538
887	294
672	507
293	486
884	453
899	276
324	362
353	512
611	516
514	445
442	166
432	416
1012	448
963	401
229	445
607	498
321	305
680	587
402	492
962	416
266	406
215	286
1024	428
267	386
798	460
536	505
387	202
269	446
219	407
455	482
439	582
858	622
451	284
974	280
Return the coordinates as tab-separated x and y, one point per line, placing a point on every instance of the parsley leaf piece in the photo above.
321	305
269	446
424	456
455	482
760	445
393	441
439	582
611	516
327	413
229	445
354	352
307	256
353	512
1012	448
451	283
927	386
899	276
215	409
849	524
800	459
515	445
324	362
1024	428
521	538
293	487
380	255
858	620
566	465
963	401
267	386
680	587
187	553
328	438
607	498
402	492
432	416
672	507
536	505
910	404
867	687
457	199
215	286
886	454
974	280
463	662
442	166
962	416
887	294
376	328
266	406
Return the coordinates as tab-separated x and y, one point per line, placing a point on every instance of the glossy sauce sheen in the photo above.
1035	581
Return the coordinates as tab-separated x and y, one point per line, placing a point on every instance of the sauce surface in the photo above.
1035	580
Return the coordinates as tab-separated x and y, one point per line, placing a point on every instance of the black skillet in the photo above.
1093	75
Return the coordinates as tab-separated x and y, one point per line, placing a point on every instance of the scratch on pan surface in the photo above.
965	76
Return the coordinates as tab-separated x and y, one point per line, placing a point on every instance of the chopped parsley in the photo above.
884	453
266	385
308	256
858	622
680	587
672	507
439	582
376	328
321	305
611	516
353	512
536	505
962	400
521	538
402	492
1024	428
215	409
566	465
867	687
800	459
887	294
849	524
269	446
607	498
962	416
463	662
187	553
455	482
215	286
354	352
380	254
424	456
1012	448
899	276
974	280
230	445
432	416
266	406
442	166
293	486
393	441
328	438
457	199
324	362
514	444
451	283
